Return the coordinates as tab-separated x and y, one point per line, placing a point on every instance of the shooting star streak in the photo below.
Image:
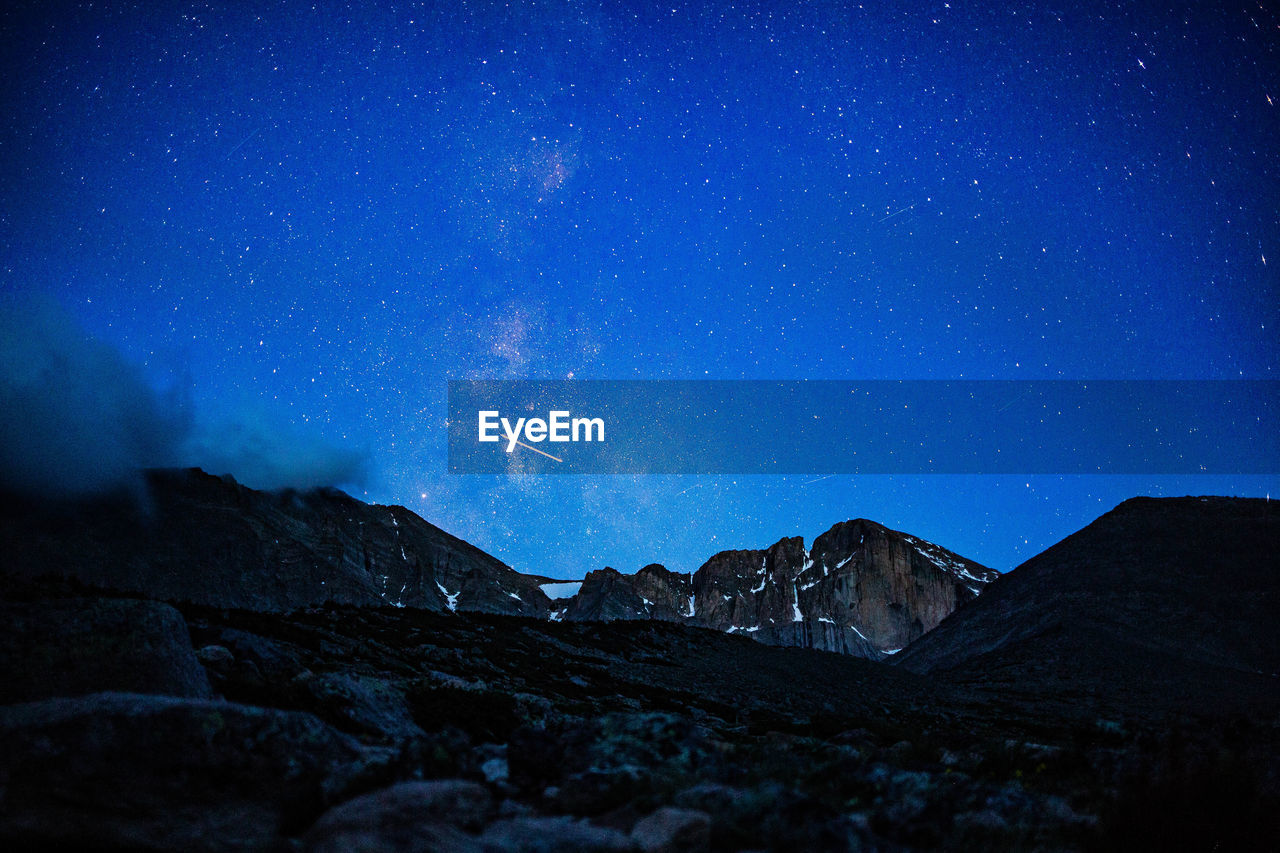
536	450
818	480
242	142
896	212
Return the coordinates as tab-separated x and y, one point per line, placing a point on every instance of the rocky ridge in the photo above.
862	589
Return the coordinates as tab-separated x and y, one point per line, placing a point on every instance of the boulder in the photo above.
70	647
411	817
128	771
553	835
359	704
672	830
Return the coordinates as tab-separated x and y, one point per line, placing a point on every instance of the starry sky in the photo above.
292	223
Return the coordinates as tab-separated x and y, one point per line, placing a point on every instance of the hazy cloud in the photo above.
77	418
270	455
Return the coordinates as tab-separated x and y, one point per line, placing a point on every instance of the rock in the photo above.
426	838
605	595
891	586
410	816
608	762
985	819
268	660
672	830
215	657
668	591
70	647
495	770
651	593
712	797
553	835
126	771
819	633
491	759
358	704
594	792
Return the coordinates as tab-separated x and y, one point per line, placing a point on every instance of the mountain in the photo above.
1161	603
209	540
862	589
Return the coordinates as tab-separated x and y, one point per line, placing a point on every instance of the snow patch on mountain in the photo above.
451	598
561	589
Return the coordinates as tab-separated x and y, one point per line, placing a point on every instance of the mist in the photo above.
77	418
266	454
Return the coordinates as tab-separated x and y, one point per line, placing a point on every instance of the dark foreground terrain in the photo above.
128	723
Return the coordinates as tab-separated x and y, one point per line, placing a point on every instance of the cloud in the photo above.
77	418
265	454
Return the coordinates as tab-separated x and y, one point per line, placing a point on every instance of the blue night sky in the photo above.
299	220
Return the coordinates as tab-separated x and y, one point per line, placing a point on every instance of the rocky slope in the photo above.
209	540
1160	602
862	589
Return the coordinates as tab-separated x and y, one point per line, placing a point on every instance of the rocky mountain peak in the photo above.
209	540
862	589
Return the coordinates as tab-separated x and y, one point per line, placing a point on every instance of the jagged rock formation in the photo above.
862	589
605	594
1160	601
651	593
209	540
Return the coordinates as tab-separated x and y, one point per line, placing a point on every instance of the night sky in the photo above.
292	223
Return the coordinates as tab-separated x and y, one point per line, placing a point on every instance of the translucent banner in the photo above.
872	427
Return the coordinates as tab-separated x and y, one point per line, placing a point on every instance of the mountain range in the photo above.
862	589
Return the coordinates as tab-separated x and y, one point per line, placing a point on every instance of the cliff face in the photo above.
209	540
892	586
862	589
